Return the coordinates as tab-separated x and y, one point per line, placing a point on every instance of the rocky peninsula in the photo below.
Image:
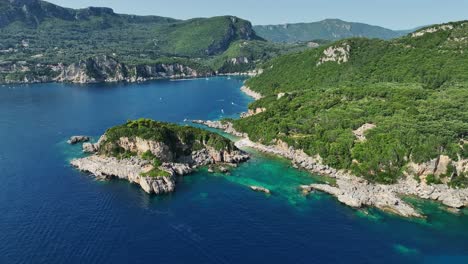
355	191
152	154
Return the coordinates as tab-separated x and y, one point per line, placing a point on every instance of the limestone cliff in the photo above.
96	69
107	69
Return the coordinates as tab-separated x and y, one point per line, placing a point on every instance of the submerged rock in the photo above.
223	169
260	189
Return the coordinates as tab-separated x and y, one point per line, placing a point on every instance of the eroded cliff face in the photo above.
443	168
107	69
238	29
131	170
95	70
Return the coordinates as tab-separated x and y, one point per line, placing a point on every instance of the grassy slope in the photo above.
414	89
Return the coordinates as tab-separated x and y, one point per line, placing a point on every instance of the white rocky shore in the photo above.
131	170
352	190
225	126
136	169
251	93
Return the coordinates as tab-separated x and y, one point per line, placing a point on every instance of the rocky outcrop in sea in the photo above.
151	178
128	169
77	139
260	189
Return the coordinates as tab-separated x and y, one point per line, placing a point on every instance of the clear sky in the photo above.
394	14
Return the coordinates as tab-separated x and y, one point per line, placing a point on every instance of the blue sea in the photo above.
51	213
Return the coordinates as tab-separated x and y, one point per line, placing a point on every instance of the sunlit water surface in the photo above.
50	213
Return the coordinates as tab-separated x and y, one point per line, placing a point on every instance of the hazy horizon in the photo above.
396	14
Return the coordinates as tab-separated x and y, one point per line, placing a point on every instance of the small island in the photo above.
151	154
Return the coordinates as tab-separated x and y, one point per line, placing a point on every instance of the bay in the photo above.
50	213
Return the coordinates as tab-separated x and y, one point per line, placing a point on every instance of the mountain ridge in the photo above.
327	29
33	12
43	41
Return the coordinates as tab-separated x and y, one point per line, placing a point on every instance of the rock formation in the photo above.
107	69
360	133
260	189
253	112
154	164
338	54
77	139
128	169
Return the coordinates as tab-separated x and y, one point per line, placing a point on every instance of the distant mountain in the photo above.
408	31
329	29
97	27
32	13
41	42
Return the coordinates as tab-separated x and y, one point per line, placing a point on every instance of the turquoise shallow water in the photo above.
54	214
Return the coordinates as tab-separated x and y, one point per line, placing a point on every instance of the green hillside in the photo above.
329	29
39	37
413	89
51	30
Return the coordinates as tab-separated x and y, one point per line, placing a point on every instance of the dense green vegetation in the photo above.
174	136
414	90
156	171
254	52
36	34
329	29
431	60
99	30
